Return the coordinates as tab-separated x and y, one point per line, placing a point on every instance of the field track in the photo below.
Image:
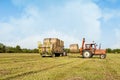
72	67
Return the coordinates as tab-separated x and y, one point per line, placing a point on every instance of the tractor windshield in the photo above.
87	46
90	46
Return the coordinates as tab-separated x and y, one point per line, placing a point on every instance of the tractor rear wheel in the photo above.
102	56
87	54
91	55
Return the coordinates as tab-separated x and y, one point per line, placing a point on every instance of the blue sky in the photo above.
25	22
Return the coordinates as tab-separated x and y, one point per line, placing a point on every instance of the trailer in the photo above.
51	47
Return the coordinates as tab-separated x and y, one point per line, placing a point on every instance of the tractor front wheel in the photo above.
87	54
102	56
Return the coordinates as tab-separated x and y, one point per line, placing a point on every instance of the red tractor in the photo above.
88	50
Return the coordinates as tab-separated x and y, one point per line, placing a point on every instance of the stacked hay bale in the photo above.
56	45
51	47
74	48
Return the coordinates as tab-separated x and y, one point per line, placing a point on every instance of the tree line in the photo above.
109	50
17	49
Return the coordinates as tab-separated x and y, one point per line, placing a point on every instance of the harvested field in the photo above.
71	67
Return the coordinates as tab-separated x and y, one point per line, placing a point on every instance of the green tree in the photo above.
2	48
67	50
18	49
10	49
116	50
35	50
109	50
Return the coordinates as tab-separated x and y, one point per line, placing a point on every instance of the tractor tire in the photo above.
102	56
87	54
57	55
43	56
91	56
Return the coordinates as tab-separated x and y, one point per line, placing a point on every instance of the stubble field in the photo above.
71	67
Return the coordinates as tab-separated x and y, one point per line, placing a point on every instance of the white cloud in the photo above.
69	22
68	39
5	31
107	17
31	41
81	16
117	39
109	14
111	20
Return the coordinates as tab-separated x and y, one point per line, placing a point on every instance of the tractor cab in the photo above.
90	46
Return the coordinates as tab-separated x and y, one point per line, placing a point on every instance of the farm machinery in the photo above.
52	47
88	50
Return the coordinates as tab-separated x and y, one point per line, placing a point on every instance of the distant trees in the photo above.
109	50
17	49
29	50
10	49
67	50
2	48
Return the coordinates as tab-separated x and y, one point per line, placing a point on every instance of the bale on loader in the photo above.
74	48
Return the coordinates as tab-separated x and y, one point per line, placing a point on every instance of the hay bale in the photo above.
46	41
61	43
55	41
53	45
74	48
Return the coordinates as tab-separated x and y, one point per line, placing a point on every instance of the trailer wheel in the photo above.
57	55
87	54
43	56
102	56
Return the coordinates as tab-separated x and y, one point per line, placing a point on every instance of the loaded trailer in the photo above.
51	47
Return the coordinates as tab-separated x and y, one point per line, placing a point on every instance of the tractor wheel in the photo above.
57	55
87	54
102	56
43	56
91	56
